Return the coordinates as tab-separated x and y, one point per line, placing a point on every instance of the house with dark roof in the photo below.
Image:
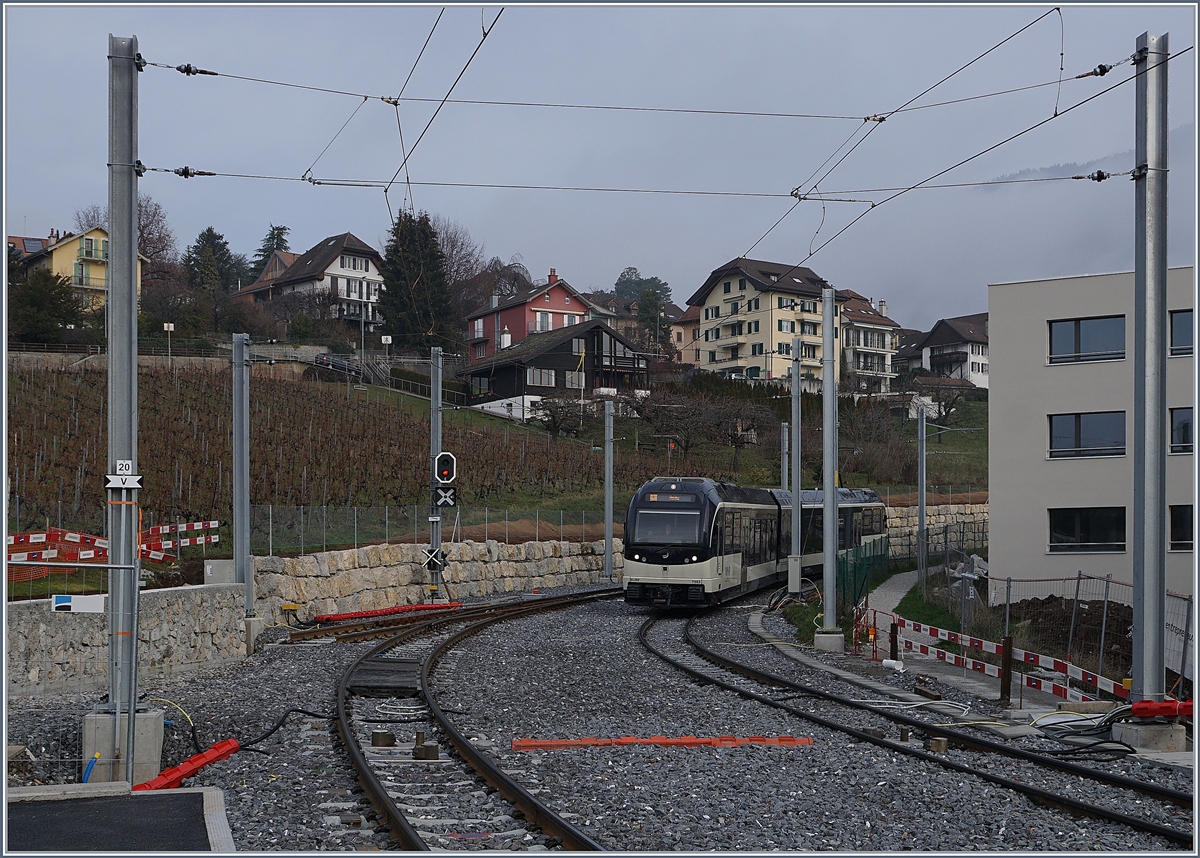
622	316
751	310
586	360
953	348
342	267
685	332
868	343
508	319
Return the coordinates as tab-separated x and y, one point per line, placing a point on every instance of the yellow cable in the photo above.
176	705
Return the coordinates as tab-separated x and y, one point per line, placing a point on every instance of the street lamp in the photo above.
168	327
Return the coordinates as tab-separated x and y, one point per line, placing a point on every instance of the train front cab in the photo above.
668	555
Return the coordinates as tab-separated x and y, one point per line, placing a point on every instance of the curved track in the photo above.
400	667
708	666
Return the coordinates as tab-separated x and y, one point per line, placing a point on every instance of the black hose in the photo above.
278	724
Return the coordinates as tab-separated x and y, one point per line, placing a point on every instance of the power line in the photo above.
399	129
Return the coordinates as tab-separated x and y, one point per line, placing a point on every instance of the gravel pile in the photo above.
570	674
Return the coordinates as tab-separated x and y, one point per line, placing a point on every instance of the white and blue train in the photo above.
692	541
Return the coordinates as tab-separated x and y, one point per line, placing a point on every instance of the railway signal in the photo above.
445	469
446	497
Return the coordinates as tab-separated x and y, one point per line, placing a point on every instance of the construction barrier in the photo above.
1057	665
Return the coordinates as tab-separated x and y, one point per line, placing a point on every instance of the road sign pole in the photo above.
435	447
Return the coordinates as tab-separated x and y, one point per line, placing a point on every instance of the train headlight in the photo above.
694	558
636	557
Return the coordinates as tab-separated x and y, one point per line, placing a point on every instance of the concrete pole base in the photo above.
1169	738
829	641
254	627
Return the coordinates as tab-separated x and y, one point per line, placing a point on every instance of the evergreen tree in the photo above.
40	305
631	284
275	239
415	300
231	267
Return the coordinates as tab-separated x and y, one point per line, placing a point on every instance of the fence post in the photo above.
1007	603
485	523
356	527
894	641
301	528
414	524
562	546
1187	633
506	525
385	524
324	518
1006	671
271	530
1074	612
537	523
583	523
1103	628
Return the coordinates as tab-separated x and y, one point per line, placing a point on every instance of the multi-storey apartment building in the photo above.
750	311
84	259
507	319
1061	428
869	344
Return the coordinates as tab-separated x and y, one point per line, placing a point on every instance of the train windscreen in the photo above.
667	527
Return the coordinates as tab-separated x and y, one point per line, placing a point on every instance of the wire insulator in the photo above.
1101	70
875	117
1099	176
188	172
189	70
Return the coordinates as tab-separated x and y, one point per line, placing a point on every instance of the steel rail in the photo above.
401	829
975	743
1035	794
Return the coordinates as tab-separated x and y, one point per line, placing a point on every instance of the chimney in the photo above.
505	338
553	278
494	301
883	308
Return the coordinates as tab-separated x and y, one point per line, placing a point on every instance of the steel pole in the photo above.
124	64
783	456
829	422
795	558
435	447
1150	371
608	489
241	467
922	536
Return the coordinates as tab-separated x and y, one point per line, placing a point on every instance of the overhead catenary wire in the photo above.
399	127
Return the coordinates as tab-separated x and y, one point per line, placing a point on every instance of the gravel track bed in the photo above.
729	627
581	672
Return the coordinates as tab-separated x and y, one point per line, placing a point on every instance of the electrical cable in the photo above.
308	172
399	129
279	723
191	723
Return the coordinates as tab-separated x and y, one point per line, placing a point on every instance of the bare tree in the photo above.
156	241
685	419
463	259
560	413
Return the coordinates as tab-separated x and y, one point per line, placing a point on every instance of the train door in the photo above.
718	543
854	528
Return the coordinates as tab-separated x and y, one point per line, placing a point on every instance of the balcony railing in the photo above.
86	282
540	327
95	253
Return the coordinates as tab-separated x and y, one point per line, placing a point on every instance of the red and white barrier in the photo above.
163	529
1057	665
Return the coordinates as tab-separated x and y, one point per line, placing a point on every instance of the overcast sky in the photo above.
929	253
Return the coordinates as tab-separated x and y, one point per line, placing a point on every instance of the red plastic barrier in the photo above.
383	612
1161	708
173	777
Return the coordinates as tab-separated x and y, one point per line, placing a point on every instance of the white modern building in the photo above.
1061	428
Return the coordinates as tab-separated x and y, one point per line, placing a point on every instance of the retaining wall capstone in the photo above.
902	522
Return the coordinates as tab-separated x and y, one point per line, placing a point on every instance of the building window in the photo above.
1087	529
1181	332
712	357
787	326
697	358
783	348
733	353
742	284
1181	430
785	303
753	327
572	319
566	299
725	287
1100	433
733	308
752	372
481	351
536	377
1076	340
547	297
578	346
679	336
575	380
808	329
808	352
478	329
756	348
1181	527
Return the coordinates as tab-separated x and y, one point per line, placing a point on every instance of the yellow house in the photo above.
83	259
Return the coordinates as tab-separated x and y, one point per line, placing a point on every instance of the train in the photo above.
694	541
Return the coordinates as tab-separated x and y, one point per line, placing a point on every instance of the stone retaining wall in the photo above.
382	576
184	628
902	524
179	629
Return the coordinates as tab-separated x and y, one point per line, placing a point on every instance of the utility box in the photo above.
794	577
219	572
147	745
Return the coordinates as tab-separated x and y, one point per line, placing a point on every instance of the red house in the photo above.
508	319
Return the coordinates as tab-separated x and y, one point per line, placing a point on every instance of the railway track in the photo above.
431	796
673	640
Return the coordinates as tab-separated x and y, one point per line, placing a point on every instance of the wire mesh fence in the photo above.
283	530
861	569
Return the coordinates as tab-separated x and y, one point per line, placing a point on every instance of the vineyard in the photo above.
312	443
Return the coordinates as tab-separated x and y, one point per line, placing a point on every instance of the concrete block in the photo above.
829	642
1170	738
147	741
1087	707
